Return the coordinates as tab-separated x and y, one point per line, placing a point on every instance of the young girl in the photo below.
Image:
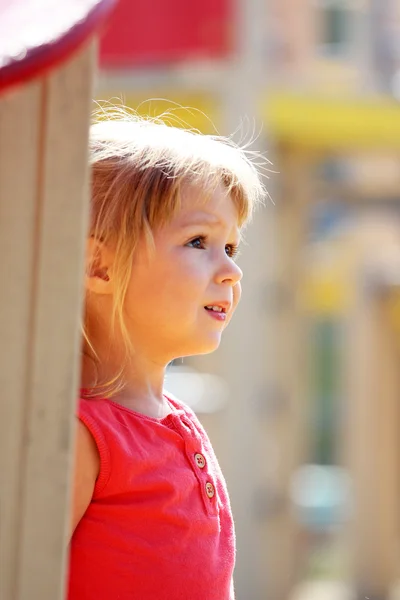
151	515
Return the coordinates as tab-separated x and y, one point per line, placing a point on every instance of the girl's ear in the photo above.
99	260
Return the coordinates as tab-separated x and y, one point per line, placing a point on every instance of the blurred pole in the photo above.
383	43
290	367
362	45
372	435
375	43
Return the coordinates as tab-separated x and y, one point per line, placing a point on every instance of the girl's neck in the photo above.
143	384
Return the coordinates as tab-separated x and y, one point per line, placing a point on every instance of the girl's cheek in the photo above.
237	292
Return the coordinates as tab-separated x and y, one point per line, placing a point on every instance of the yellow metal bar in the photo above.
329	123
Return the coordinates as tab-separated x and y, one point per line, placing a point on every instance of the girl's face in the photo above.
182	295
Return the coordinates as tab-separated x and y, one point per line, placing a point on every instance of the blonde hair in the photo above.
138	167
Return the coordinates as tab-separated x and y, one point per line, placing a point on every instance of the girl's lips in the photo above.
218	316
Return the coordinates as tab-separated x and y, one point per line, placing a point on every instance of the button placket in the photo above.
194	451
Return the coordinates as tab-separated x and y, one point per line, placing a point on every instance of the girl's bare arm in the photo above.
86	470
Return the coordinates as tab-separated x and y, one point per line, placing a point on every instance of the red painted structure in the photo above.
140	32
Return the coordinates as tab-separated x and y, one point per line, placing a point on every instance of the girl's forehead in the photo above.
215	207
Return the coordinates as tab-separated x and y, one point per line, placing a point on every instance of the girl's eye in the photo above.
232	250
198	242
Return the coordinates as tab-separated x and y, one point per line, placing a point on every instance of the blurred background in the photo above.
302	400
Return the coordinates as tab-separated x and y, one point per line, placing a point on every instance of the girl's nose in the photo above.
230	272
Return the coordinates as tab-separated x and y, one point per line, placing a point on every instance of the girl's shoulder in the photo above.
93	412
180	407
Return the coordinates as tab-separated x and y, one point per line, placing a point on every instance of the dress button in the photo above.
210	491
200	460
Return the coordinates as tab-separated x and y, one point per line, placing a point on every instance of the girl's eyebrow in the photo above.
206	219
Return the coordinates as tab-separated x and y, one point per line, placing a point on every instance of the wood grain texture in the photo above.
19	141
44	215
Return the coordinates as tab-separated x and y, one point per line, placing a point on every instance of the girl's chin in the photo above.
205	347
209	345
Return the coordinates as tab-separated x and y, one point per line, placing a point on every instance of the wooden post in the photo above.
372	422
43	217
286	409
